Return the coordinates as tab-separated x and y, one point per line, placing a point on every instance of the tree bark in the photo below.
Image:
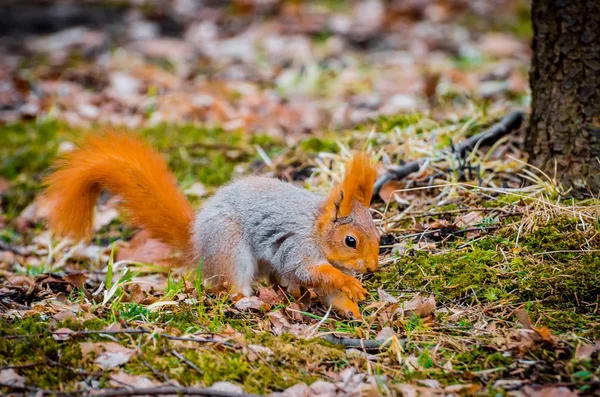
564	130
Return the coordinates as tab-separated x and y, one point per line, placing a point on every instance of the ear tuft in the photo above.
358	183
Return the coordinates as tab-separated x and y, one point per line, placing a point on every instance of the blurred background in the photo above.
281	68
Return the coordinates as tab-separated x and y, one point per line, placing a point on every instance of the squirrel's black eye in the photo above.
350	241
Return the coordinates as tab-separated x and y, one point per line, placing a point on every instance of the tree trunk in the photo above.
564	130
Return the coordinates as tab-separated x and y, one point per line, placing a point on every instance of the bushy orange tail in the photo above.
128	167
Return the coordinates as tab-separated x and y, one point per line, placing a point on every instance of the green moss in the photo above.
566	284
388	123
315	145
194	153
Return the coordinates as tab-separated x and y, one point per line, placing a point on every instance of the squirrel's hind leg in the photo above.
227	261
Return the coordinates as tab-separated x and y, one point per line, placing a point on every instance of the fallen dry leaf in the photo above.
254	351
385	334
298	390
268	295
136	294
389	191
34	212
111	354
10	377
528	391
143	248
65	315
121	379
585	352
4	185
469	219
535	334
421	307
281	325
227	387
76	279
62	334
250	302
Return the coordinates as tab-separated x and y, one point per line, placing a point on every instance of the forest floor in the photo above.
489	278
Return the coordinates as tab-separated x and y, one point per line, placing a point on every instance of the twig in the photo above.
188	362
448	231
163	390
24	365
199	340
19	387
508	124
422	214
354	343
126	332
156	372
14	249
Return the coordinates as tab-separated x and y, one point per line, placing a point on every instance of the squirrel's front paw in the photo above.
353	288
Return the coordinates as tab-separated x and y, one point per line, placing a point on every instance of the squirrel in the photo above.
251	228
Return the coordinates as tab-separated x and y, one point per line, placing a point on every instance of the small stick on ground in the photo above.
14	249
354	343
188	362
161	391
509	123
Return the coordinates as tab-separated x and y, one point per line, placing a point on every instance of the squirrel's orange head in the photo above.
345	228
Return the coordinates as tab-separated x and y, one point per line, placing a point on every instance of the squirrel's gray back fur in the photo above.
261	226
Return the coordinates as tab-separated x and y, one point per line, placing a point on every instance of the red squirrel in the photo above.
251	228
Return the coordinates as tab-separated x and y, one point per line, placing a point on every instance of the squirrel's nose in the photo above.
372	266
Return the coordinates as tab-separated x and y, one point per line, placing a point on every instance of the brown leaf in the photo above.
62	334
469	219
440	224
137	381
535	334
385	334
584	352
65	315
136	293
111	354
34	212
22	281
294	311
114	355
548	392
269	296
250	302
385	296
544	333
298	390
524	319
143	248
4	185
388	191
9	376
113	327
76	279
226	387
421	307
254	351
281	325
